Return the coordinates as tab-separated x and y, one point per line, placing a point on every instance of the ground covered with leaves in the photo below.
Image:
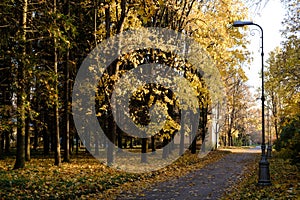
285	180
85	178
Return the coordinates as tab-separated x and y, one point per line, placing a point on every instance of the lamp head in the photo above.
242	23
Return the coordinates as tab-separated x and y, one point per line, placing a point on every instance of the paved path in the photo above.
209	182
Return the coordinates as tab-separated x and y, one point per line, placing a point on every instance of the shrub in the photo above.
288	143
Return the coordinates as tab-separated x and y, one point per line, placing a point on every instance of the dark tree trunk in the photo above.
57	156
7	141
71	143
77	144
182	134
67	94
194	135
144	157
125	142
1	145
87	142
20	156
119	136
229	138
46	142
276	128
131	143
166	148
194	146
36	136
153	146
111	135
27	139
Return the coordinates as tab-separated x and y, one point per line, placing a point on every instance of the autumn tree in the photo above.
237	105
50	43
142	100
21	95
282	85
184	16
7	44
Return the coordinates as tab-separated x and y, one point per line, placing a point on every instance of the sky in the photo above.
269	18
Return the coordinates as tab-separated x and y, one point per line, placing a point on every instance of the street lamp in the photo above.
264	172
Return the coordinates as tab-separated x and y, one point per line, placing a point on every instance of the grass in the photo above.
85	177
285	180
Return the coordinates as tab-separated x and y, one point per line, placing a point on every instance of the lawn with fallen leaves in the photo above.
86	178
285	180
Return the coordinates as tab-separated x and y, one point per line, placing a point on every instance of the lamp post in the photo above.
264	172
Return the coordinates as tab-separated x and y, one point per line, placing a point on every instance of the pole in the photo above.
264	173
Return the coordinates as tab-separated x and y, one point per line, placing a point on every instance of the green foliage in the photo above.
288	144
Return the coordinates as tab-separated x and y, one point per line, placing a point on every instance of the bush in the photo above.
288	144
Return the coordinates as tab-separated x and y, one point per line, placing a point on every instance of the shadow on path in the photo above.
210	182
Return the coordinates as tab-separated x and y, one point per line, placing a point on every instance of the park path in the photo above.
210	182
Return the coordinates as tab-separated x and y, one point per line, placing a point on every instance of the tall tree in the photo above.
57	155
21	95
282	76
67	92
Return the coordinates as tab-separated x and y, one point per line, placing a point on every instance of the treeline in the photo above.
283	86
43	44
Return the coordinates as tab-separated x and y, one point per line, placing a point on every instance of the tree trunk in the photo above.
57	156
21	95
144	158
111	141
71	144
46	139
20	156
1	144
87	142
225	140
194	146
182	134
131	143
153	147
77	144
119	136
27	139
36	136
194	134
166	148
7	141
112	125
67	95
46	142
27	127
229	136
